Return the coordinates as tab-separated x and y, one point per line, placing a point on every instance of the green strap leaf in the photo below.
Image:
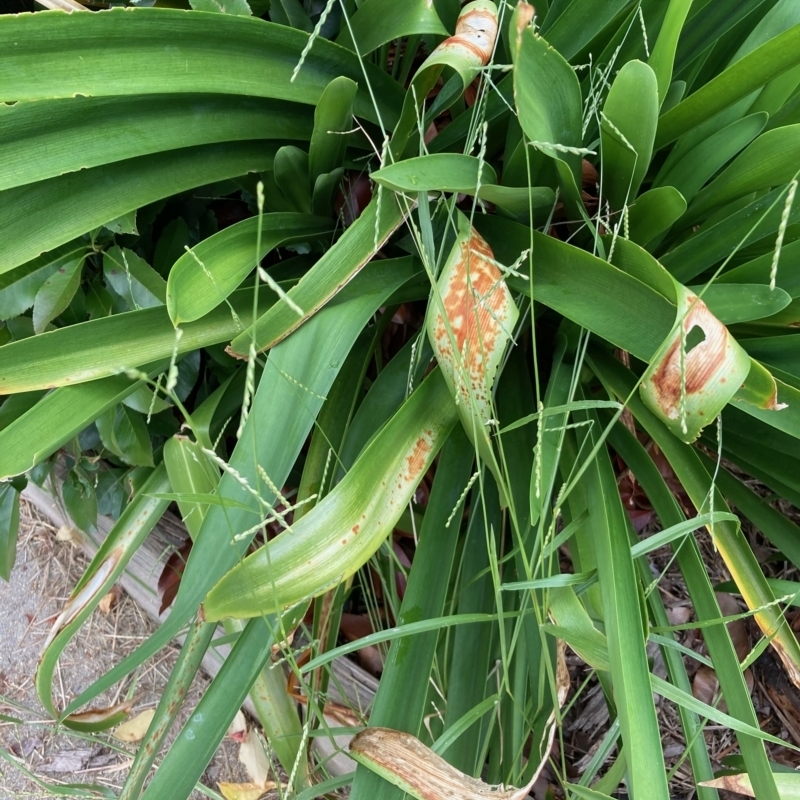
49	213
749	73
342	532
627	130
333	119
203	278
129	51
56	293
377	22
9	528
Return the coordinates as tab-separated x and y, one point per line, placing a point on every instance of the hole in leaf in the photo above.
695	337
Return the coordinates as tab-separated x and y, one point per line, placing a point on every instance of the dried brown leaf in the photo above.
134	729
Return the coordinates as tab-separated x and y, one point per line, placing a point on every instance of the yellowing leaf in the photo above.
244	791
136	727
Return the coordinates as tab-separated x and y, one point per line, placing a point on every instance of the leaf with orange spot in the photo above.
470	325
696	372
341	533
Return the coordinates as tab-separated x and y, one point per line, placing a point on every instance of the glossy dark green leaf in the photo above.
379	21
628	127
133	279
333	119
56	293
292	177
80	500
573	29
663	55
689	173
734	303
654	213
124	432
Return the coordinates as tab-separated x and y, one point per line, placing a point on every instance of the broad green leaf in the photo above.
570	31
548	100
342	531
340	264
663	56
292	178
708	24
236	7
9	528
377	22
292	13
771	160
333	120
653	213
734	303
622	617
80	500
128	533
203	278
46	139
56	293
46	214
104	347
56	418
133	279
323	194
714	241
124	432
146	401
691	172
628	127
129	51
584	288
311	359
760	66
457	173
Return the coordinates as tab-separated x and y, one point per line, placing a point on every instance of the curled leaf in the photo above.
342	532
476	31
99	719
696	372
470	329
404	761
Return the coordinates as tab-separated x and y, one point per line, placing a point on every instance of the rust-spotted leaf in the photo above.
470	324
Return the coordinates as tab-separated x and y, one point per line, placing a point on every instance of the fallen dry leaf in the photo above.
109	600
238	728
405	761
244	791
66	533
787	784
134	729
253	755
